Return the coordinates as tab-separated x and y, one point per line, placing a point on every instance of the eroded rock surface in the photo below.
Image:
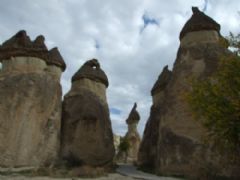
87	137
172	141
30	103
148	150
132	136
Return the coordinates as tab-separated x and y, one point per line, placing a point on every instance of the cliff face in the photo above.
87	137
30	102
178	146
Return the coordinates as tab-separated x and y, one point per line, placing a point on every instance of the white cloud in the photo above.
132	60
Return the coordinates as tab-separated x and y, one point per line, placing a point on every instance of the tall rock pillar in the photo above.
30	102
180	149
132	136
87	137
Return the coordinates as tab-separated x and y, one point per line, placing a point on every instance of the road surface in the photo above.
131	171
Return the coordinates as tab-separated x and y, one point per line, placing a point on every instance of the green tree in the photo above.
234	42
216	101
124	148
124	145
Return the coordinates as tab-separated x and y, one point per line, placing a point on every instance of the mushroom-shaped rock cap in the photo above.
91	70
21	45
19	40
134	116
55	58
198	22
162	81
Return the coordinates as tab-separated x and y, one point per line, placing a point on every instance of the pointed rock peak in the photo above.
55	58
21	33
134	106
162	81
165	69
39	42
134	116
195	10
91	70
199	22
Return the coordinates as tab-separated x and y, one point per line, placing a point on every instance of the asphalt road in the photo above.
131	171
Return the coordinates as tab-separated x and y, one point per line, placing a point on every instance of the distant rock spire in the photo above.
134	116
91	70
198	22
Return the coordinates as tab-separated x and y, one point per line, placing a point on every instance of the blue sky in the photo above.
147	20
133	40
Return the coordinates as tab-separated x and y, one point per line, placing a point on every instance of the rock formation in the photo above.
30	102
148	149
87	137
116	142
172	141
129	144
132	135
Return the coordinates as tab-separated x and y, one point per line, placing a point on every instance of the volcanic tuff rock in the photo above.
87	137
30	112
20	45
148	148
172	141
132	136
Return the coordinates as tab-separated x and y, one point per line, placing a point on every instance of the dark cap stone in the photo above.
91	70
55	58
198	22
134	116
21	45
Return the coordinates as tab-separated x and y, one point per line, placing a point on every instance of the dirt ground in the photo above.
109	177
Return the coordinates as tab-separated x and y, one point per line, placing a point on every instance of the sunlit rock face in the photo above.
87	137
173	140
30	102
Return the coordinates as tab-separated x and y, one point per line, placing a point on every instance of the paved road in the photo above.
131	171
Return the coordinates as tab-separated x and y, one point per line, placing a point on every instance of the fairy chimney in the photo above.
30	112
132	136
178	147
87	137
